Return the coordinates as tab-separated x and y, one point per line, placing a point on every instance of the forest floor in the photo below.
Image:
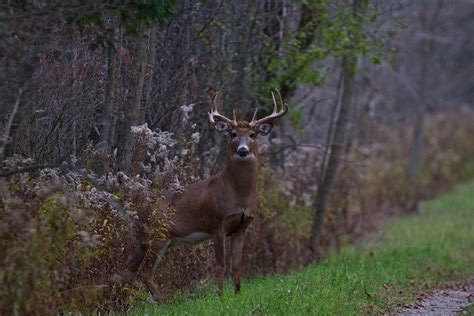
401	267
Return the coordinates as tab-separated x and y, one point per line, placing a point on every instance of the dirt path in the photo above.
448	301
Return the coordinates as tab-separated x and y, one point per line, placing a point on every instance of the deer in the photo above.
220	207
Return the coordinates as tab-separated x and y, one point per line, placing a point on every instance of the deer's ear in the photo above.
264	128
222	126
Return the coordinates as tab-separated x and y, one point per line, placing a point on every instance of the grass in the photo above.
469	310
412	254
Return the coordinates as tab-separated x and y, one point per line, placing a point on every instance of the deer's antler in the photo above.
214	114
275	114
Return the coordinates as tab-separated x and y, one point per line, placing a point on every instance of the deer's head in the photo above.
242	143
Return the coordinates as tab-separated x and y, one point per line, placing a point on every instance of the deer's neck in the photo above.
241	176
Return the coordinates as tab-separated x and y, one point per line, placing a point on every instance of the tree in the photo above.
134	108
416	152
336	141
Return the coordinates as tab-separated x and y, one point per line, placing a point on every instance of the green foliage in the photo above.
412	255
296	118
469	310
324	32
132	15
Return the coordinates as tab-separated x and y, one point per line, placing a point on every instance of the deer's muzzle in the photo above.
243	151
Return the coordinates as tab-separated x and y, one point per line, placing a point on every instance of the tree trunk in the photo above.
330	133
149	85
109	102
416	153
132	115
336	148
107	118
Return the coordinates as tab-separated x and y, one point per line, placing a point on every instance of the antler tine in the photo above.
275	114
281	99
214	114
275	106
254	117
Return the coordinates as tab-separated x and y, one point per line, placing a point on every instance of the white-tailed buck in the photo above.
219	207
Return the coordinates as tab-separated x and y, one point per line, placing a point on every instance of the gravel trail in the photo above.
448	301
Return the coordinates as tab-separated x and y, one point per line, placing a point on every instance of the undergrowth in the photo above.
66	231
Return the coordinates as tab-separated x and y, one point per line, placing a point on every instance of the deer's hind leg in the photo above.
150	263
133	264
138	251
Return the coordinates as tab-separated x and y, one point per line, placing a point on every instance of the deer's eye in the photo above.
233	135
253	135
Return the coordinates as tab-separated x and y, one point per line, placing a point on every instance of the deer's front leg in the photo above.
237	245
219	247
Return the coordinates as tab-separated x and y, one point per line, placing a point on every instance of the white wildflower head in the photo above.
90	240
17	162
165	139
73	159
176	185
164	143
195	137
145	135
186	111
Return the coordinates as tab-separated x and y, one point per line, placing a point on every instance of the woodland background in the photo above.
104	105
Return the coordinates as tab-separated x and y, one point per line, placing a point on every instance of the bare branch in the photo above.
6	131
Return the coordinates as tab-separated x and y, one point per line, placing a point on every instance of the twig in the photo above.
27	169
6	132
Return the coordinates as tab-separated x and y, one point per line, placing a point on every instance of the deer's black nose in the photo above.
243	151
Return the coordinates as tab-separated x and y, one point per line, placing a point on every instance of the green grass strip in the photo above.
413	254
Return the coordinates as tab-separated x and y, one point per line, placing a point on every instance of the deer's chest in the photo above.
246	206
